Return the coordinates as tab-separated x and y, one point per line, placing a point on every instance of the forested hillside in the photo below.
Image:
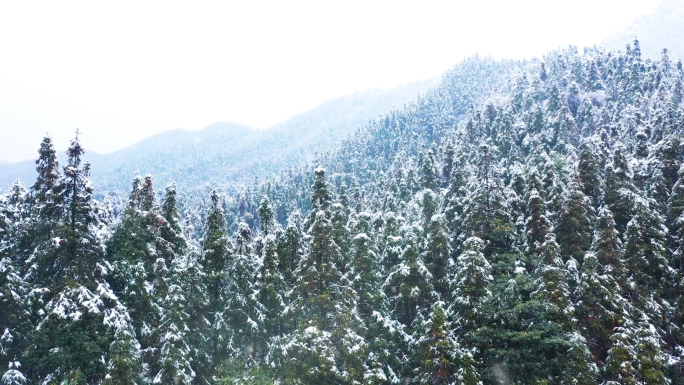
521	223
228	155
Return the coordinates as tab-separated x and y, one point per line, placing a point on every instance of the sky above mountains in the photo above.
125	70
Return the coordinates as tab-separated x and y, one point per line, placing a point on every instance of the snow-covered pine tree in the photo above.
15	314
78	300
46	192
645	253
328	338
552	284
537	225
588	173
471	294
290	248
619	192
439	357
436	254
242	308
175	355
486	213
364	270
216	255
272	294
575	224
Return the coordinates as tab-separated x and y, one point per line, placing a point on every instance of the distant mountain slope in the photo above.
227	155
655	31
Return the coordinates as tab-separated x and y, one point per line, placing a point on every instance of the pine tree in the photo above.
393	243
486	214
651	358
599	306
133	254
200	333
242	306
271	286
47	190
290	248
471	288
15	314
216	255
575	224
78	301
175	353
341	236
440	358
409	289
579	369
171	231
428	171
675	207
321	197
365	273
552	284
618	195
619	367
588	172
448	166
646	258
537	225
267	219
437	254
13	376
124	356
608	248
328	333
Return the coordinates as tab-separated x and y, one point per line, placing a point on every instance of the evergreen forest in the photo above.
520	223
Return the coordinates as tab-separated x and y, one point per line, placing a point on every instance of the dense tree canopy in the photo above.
520	223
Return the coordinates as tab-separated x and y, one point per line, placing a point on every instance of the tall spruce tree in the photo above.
78	301
575	224
216	257
440	359
325	337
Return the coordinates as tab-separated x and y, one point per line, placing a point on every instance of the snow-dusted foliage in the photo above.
520	223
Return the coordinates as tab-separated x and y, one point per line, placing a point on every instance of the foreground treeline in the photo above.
520	224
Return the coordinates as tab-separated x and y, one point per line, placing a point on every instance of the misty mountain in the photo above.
227	155
660	29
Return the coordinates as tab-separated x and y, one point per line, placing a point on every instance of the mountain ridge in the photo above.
295	139
655	31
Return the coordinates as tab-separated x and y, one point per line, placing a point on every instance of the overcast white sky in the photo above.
124	70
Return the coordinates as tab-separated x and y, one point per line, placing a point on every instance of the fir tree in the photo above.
646	258
470	285
242	306
79	302
271	286
486	214
588	171
553	282
290	248
365	272
618	195
575	224
675	207
15	315
47	189
537	225
619	367
440	358
175	353
437	255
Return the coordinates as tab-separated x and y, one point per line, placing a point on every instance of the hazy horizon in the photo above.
124	72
